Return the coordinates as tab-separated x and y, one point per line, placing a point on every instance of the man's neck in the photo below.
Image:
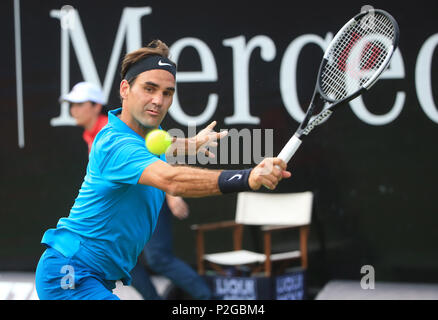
133	124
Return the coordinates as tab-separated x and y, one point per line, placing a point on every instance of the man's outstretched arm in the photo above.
186	181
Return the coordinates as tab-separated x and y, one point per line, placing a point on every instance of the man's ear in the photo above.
124	88
98	107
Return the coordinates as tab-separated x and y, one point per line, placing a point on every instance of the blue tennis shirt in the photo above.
113	217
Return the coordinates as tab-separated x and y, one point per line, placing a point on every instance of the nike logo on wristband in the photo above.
160	63
238	176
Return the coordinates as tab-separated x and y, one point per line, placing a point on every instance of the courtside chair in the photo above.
272	212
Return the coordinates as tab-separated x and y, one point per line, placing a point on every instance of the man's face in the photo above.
85	113
148	99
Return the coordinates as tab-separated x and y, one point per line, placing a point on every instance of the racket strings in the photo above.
337	76
349	68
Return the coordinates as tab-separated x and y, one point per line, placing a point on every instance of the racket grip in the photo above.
289	149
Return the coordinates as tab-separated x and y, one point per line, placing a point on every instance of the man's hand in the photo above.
207	137
177	206
268	173
200	143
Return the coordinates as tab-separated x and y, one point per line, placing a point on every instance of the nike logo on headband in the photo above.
150	63
160	63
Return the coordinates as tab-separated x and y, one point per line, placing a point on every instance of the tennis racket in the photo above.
352	63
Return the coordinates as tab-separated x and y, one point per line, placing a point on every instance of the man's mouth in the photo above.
153	112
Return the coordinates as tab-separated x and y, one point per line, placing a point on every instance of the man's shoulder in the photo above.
109	140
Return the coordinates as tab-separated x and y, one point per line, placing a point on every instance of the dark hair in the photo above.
154	48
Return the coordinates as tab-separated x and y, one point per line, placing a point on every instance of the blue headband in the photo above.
150	63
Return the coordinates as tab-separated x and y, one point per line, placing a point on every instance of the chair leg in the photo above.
267	245
237	237
304	232
200	251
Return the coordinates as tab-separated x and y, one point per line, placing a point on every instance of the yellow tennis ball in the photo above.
158	141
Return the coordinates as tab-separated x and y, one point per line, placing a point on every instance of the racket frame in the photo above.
308	124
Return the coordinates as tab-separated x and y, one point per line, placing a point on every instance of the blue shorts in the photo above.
61	278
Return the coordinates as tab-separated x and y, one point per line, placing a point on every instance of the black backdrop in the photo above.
374	184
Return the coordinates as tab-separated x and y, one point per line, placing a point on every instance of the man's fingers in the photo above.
276	171
267	180
207	153
267	183
211	125
279	162
268	173
286	174
272	179
222	134
213	136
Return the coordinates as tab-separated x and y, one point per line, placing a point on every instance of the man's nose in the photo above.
157	99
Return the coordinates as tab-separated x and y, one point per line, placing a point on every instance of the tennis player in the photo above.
118	203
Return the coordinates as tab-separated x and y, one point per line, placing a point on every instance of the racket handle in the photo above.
289	149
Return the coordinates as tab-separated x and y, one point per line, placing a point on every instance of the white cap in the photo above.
82	92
